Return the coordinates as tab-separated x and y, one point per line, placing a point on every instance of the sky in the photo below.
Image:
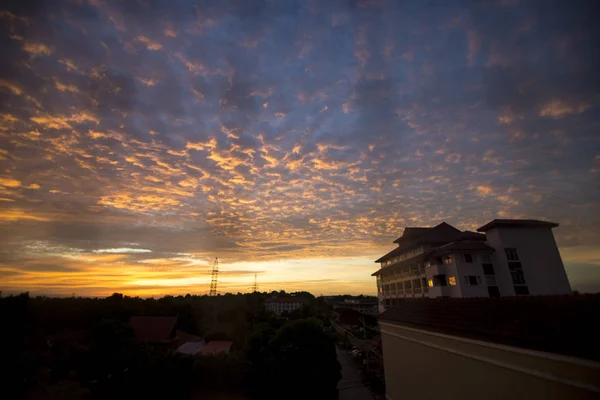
294	140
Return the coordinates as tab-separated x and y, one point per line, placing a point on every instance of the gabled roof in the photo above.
216	347
154	329
517	223
558	324
411	233
414	237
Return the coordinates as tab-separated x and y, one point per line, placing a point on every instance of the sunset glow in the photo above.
293	141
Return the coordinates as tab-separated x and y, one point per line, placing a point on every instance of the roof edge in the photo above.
517	223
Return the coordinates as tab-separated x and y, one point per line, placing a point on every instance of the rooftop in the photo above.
154	329
191	348
517	223
216	347
557	324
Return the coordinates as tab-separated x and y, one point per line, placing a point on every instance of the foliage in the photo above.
71	348
283	360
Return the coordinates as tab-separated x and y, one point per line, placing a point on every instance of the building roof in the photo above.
414	237
462	245
517	223
154	329
191	348
216	347
557	324
411	233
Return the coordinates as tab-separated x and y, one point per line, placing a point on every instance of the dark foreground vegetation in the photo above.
83	348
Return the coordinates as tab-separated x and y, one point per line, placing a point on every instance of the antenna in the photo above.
213	280
255	286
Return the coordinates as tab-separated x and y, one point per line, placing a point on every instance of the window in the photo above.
473	280
430	283
517	277
440	280
452	280
448	260
493	291
486	258
468	258
521	290
511	254
516	273
488	269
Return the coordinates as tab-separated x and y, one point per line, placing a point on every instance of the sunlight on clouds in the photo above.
123	250
558	109
208	133
7	182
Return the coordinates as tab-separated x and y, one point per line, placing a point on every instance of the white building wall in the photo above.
542	265
471	269
503	277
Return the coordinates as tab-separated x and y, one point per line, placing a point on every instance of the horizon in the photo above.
292	141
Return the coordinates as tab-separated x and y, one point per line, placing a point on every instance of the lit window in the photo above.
452	280
430	283
448	260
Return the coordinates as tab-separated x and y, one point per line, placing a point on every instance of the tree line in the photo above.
83	348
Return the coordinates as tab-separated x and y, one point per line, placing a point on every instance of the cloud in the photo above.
123	250
299	131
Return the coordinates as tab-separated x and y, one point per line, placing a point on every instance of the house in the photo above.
279	305
530	347
155	330
508	257
216	347
348	316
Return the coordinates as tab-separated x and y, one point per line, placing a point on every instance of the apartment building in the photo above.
280	305
508	257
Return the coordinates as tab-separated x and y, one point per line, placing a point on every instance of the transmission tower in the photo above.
213	280
255	286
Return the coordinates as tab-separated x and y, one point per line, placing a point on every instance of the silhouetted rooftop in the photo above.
517	223
154	329
559	324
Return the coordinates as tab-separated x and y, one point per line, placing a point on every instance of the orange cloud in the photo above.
559	108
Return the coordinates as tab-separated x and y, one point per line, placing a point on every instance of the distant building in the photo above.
510	258
536	347
282	304
368	307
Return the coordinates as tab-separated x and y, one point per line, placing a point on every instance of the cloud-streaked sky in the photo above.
292	139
